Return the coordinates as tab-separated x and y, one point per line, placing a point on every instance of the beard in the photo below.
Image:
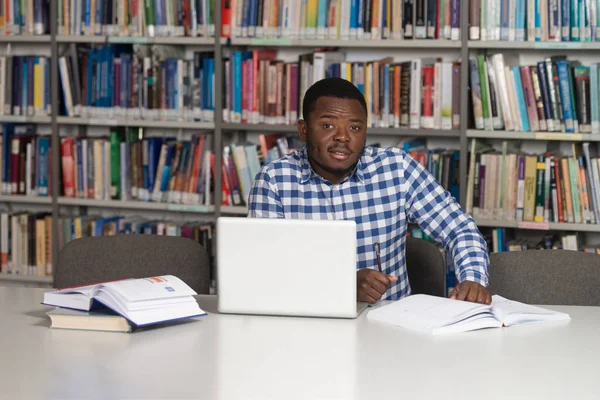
340	172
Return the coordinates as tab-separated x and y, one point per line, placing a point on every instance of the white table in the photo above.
254	357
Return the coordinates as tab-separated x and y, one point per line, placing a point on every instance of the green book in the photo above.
115	165
575	188
483	83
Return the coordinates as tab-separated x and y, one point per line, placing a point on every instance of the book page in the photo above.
426	313
514	313
151	288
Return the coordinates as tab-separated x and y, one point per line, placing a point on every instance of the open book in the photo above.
142	302
438	315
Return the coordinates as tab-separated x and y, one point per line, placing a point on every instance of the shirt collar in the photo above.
308	172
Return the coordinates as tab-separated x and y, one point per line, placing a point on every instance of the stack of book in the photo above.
153	82
530	20
502	239
418	94
555	95
342	19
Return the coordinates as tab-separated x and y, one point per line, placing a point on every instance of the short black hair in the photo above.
331	87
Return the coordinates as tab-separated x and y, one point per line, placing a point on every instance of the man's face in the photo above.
335	136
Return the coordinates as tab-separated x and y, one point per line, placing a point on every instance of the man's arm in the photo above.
264	200
442	218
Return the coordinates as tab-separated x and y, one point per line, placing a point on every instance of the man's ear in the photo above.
302	129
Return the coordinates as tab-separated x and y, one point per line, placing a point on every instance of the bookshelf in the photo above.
217	130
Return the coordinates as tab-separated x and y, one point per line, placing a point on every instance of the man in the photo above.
336	177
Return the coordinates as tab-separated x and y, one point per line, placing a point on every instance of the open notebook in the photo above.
142	302
437	315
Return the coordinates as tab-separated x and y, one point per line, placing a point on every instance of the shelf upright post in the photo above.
464	105
55	134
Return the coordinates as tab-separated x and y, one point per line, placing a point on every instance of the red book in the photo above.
427	97
68	167
226	18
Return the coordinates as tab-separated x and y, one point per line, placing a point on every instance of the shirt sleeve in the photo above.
441	217
264	200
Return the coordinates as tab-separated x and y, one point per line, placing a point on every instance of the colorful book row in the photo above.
116	82
26	244
342	19
535	188
24	17
259	88
123	167
25	86
534	20
150	18
555	95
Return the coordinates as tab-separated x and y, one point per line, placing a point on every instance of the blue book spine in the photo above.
204	84
158	13
565	95
43	146
520	97
520	20
79	166
17	13
543	79
360	24
361	81
164	182
146	164
353	17
98	12
575	34
565	23
538	21
504	19
237	85
47	100
86	15
24	85
154	146
99	70
322	16
210	85
170	84
595	117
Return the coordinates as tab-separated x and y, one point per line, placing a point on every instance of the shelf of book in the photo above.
136	205
265	128
372	44
547	45
234	210
567	137
27	278
543	226
25	199
18	119
25	39
171	40
137	123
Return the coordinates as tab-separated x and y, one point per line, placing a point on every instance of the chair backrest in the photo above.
104	258
426	267
546	277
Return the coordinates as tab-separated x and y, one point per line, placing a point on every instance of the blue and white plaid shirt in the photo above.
387	190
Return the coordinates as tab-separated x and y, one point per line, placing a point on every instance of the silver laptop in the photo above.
287	267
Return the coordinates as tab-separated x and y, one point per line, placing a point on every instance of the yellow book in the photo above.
530	174
311	15
38	92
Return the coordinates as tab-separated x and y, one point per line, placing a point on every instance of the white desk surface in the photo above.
255	357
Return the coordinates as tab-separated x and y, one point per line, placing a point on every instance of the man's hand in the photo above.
471	291
371	284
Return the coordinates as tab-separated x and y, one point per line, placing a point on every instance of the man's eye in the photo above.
355	128
327	126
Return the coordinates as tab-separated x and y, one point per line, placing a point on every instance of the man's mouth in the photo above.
339	154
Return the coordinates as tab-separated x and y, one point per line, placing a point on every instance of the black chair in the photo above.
552	277
426	267
104	258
